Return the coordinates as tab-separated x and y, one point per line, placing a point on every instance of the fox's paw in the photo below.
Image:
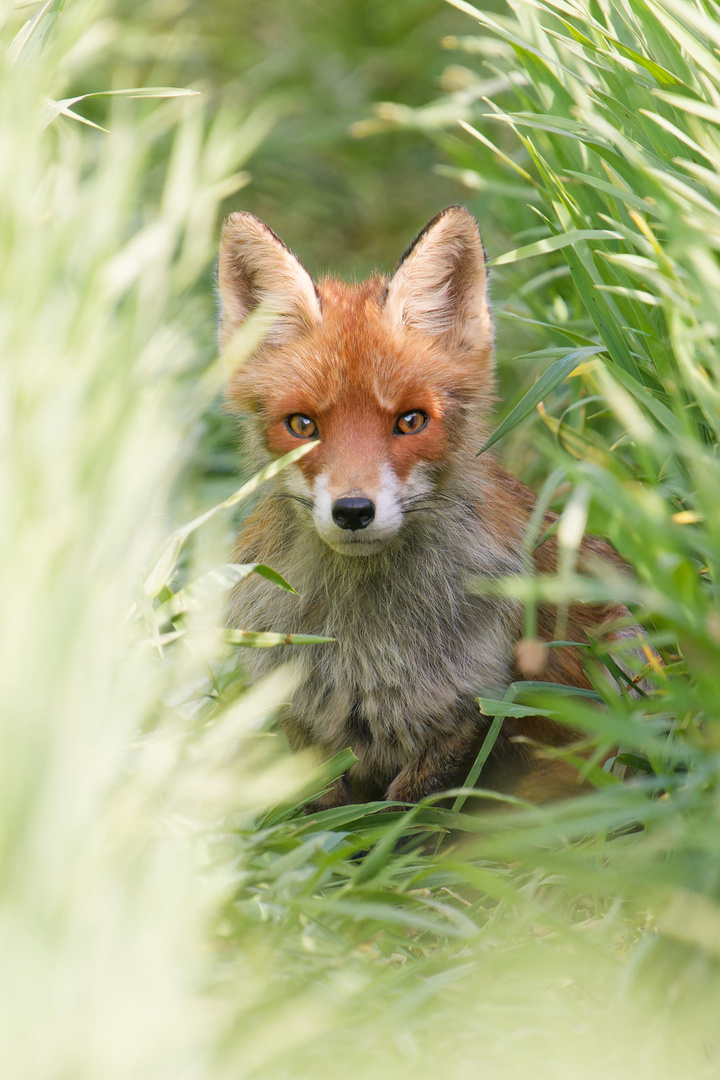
336	795
401	790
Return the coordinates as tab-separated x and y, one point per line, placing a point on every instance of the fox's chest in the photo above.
411	647
394	684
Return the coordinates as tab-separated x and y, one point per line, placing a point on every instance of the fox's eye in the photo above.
410	422
302	426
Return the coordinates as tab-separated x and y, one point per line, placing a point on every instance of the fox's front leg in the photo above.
440	767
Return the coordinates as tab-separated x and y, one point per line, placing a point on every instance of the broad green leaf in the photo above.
580	340
691	105
554	243
604	313
694	18
216	583
505	28
483	755
258	640
547	382
640	295
673	129
163	570
560	689
35	31
64	106
475	181
660	412
339	816
491	707
383	912
624	195
495	149
316	784
382	852
554	125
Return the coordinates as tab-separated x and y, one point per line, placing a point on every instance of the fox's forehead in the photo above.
354	351
340	298
355	356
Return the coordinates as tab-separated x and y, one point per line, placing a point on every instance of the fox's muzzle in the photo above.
360	515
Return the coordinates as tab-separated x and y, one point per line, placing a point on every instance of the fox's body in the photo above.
382	527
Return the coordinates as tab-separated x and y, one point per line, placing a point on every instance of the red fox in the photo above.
381	527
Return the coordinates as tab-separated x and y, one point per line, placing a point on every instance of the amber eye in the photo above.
410	422
302	426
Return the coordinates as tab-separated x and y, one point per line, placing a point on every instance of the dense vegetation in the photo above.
166	909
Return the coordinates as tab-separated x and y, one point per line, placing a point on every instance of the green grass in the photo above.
166	907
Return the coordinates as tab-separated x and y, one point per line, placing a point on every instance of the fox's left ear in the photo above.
439	287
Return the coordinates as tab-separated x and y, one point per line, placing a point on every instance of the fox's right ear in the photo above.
440	285
256	268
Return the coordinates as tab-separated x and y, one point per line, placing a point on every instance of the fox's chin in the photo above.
356	546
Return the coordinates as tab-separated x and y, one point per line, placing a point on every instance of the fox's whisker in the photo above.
431	501
431	495
425	495
427	500
307	503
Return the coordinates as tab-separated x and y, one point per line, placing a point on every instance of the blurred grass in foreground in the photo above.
103	908
165	906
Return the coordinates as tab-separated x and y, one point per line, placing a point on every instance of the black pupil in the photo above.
412	421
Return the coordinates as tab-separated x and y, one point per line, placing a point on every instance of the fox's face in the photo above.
382	375
373	464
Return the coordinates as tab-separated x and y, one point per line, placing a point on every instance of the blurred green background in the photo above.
343	205
314	68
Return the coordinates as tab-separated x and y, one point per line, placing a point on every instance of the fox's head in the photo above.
385	374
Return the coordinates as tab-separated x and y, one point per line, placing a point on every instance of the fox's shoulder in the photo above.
501	503
261	535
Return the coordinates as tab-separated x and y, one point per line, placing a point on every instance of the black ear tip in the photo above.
456	208
457	211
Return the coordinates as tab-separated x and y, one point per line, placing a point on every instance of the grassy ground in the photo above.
165	906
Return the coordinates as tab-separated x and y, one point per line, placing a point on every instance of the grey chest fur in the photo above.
412	647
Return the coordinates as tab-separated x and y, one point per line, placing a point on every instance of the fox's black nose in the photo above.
353	513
